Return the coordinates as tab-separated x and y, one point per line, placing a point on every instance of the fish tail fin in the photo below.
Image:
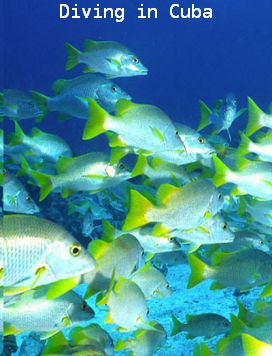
255	115
177	326
243	148
73	54
17	137
42	101
221	172
108	231
140	166
139	206
202	350
255	347
97	120
237	326
199	271
45	183
205	113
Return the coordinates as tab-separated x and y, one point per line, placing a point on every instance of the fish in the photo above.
222	117
89	340
91	172
106	57
158	172
144	128
122	255
254	268
16	199
151	281
207	325
70	96
42	144
212	231
151	244
50	316
18	105
251	177
262	148
144	342
127	307
178	208
33	247
247	239
196	147
257	119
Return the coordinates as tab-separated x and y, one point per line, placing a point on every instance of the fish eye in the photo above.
147	312
121	165
28	198
167	286
225	226
114	89
219	196
84	305
176	133
261	242
172	239
75	250
31	105
226	323
201	140
235	102
135	60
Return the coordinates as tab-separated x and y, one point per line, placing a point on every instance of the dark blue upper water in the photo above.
187	59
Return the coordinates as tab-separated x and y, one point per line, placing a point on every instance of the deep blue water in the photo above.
187	59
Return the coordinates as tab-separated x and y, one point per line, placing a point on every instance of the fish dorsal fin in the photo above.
63	164
36	132
59	85
165	192
89	45
123	106
219	257
97	248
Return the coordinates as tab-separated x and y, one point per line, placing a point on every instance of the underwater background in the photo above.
187	60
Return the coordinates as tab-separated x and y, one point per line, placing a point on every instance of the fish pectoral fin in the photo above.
95	176
39	272
114	61
108	319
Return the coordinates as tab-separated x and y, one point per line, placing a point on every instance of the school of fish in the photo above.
161	195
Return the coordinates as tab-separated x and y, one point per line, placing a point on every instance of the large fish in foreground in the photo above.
39	252
107	57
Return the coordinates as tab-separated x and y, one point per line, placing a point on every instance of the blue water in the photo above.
187	60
